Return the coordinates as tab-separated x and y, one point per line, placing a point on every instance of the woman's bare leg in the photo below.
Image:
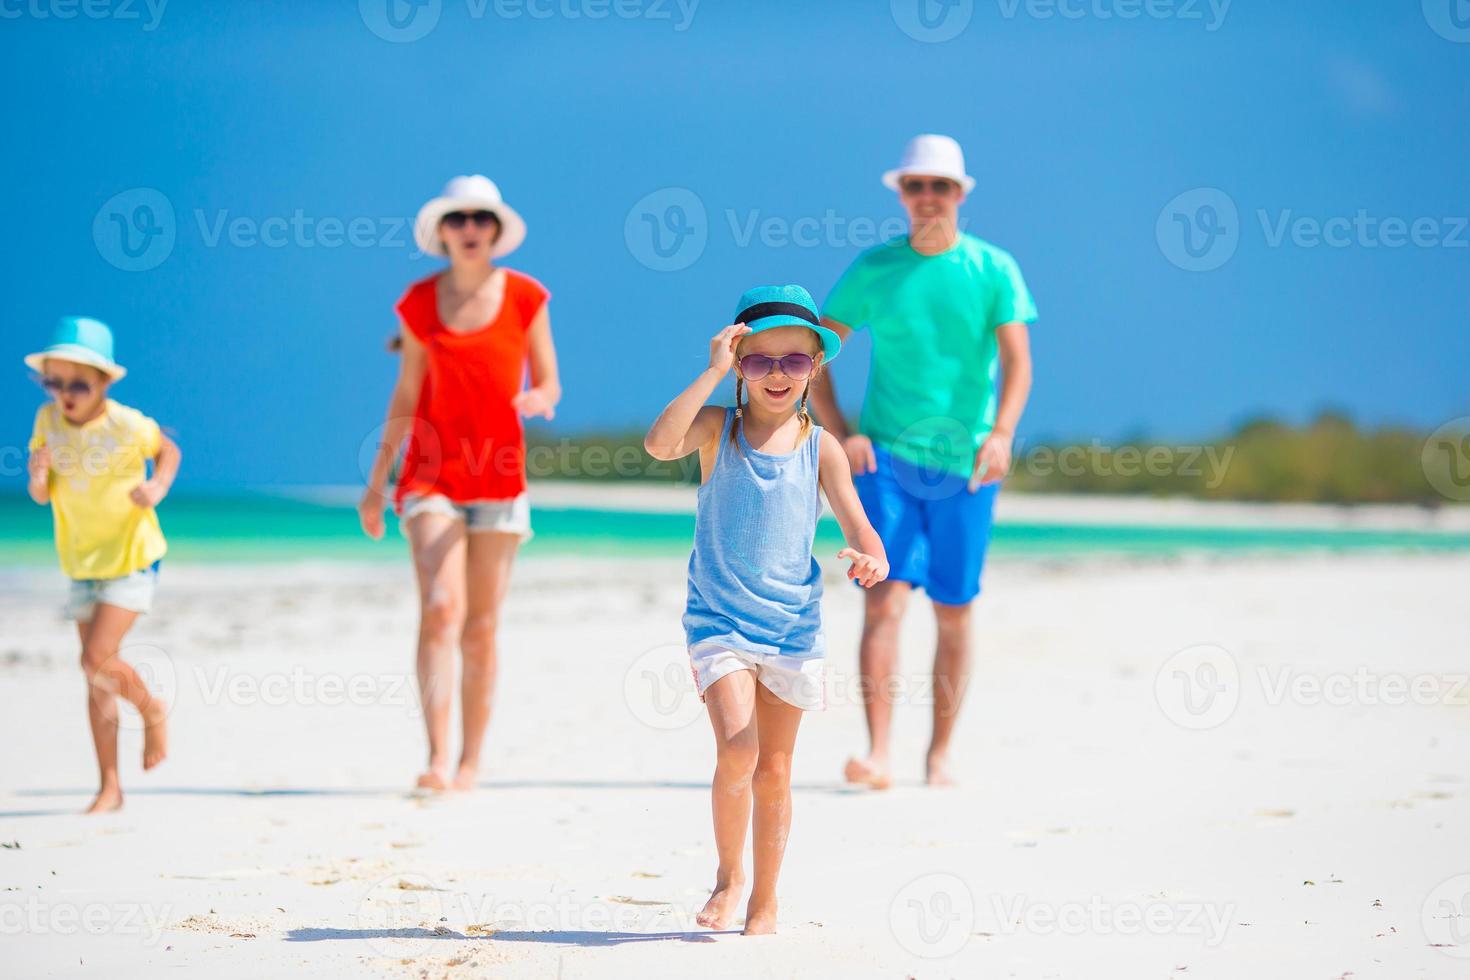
776	724
438	545
731	704
109	678
487	579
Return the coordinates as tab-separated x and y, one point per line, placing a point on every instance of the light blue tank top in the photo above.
753	583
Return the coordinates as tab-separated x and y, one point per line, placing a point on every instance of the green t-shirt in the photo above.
932	384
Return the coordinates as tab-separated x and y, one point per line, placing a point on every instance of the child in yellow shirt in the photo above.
88	460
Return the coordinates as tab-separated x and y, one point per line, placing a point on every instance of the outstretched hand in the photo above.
866	570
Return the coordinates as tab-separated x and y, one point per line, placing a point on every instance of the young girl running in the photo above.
89	461
454	437
753	621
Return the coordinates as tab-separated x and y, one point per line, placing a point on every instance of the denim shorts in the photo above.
132	592
511	516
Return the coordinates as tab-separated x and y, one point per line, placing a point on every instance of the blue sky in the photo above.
291	142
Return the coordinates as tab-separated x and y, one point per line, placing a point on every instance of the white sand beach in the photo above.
1169	769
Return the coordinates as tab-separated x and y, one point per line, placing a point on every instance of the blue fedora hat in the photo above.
82	340
765	307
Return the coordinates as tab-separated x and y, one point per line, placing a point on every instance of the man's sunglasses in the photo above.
797	367
938	186
76	388
482	219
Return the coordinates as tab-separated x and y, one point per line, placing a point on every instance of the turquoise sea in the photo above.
258	527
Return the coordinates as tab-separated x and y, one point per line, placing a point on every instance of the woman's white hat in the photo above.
474	192
931	156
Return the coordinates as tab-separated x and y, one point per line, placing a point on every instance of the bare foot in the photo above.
868	772
432	781
760	919
108	799
155	735
465	778
719	911
936	768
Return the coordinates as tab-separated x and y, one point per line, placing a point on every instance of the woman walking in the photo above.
454	432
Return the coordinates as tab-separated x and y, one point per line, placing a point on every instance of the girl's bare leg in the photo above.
731	704
109	677
776	723
438	545
487	575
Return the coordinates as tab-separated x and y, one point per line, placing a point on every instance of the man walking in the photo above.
950	374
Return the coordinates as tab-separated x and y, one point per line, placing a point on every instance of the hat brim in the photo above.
831	343
77	355
892	177
426	225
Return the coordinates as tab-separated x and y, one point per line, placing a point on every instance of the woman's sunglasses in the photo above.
938	186
797	367
482	219
76	388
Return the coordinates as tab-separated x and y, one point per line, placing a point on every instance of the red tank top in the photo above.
467	442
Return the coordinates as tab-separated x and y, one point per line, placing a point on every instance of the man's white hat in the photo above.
931	156
469	193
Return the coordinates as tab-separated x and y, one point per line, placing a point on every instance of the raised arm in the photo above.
687	423
864	547
401	403
545	391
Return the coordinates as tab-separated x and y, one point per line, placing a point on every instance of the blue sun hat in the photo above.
765	307
82	340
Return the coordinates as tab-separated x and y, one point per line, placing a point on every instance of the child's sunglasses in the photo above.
797	367
76	388
482	219
939	186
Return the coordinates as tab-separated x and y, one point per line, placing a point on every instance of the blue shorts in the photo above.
934	529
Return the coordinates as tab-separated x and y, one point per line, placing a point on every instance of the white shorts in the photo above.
799	681
132	592
511	516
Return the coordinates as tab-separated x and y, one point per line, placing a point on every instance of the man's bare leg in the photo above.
951	677
878	662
